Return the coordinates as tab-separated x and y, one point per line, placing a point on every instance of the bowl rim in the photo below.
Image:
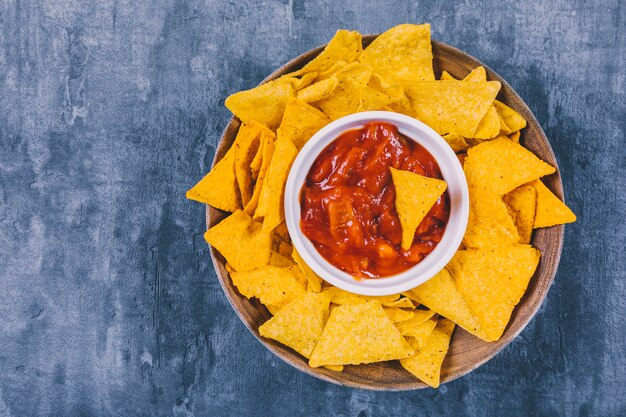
213	216
451	170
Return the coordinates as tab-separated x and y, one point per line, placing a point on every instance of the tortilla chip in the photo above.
515	136
403	52
344	46
415	196
246	147
397	314
478	74
441	296
489	223
452	106
339	296
318	91
513	120
360	333
492	281
282	232
489	126
272	309
300	323
300	122
273	191
276	259
241	241
417	334
401	303
219	187
270	284
302	82
500	165
426	364
445	76
521	203
284	248
346	98
265	103
550	210
267	145
419	316
456	142
337	368
337	66
257	160
372	99
314	282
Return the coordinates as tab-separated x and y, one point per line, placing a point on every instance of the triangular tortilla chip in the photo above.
452	106
492	281
515	136
219	187
478	74
500	166
318	91
445	76
401	303
489	126
346	97
265	103
403	52
276	259
426	364
513	120
267	145
360	333
246	146
550	210
300	122
456	142
489	223
314	281
300	323
415	196
273	189
417	334
241	241
344	46
397	314
302	82
522	202
441	296
272	285
339	296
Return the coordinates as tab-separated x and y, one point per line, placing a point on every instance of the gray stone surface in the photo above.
111	109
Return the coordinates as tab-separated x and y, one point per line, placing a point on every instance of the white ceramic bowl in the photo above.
457	189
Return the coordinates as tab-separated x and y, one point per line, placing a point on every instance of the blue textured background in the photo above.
111	109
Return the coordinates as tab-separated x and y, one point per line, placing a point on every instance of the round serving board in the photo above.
466	352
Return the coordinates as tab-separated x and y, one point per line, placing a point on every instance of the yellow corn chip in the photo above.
314	281
281	232
550	210
276	259
344	46
492	281
360	333
500	166
504	129
403	52
284	248
318	91
513	120
257	161
267	144
337	368
300	323
441	296
337	66
445	76
489	126
417	334
401	303
452	106
270	284
515	136
426	364
272	309
394	90
420	316
415	196
346	97
478	74
302	82
246	147
521	203
397	314
456	142
339	296
489	223
372	99
273	189
265	103
300	122
219	187
241	241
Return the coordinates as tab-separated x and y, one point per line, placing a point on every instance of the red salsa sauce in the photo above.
348	202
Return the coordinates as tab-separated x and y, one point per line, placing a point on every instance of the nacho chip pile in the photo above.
480	287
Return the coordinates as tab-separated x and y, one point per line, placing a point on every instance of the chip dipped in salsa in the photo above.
348	202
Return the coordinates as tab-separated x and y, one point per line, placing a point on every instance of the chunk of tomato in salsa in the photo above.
348	202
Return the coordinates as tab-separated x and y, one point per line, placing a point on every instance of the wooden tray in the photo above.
466	352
